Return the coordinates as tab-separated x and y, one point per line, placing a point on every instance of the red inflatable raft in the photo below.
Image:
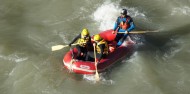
88	67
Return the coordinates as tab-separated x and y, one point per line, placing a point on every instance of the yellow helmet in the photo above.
84	32
97	37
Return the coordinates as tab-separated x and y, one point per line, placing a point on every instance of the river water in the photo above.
160	63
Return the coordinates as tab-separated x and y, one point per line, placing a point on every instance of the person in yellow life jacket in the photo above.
83	43
123	24
101	49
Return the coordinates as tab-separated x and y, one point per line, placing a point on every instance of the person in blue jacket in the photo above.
123	25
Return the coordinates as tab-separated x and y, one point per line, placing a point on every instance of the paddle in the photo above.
59	47
96	75
139	32
72	60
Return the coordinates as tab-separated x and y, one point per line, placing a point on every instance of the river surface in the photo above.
159	64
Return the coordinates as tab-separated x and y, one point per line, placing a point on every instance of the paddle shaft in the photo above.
71	62
71	45
137	32
96	75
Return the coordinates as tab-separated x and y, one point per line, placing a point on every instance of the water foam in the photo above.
185	10
14	57
107	13
92	79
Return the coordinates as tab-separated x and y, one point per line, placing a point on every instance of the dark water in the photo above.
28	30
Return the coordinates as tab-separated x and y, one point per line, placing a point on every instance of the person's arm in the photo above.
132	25
102	46
89	41
77	37
116	24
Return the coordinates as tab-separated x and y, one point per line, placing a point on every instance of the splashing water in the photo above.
92	79
108	12
185	10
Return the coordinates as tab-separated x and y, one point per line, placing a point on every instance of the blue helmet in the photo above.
124	11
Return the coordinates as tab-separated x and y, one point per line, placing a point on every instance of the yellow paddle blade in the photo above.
58	47
97	77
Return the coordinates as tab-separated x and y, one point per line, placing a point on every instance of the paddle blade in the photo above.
97	76
71	65
57	47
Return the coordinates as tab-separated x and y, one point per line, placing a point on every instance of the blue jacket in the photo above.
130	22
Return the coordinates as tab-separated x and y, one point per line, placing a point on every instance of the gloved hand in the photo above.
97	60
126	32
113	32
94	44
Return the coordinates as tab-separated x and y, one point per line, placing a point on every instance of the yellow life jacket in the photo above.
105	49
83	41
